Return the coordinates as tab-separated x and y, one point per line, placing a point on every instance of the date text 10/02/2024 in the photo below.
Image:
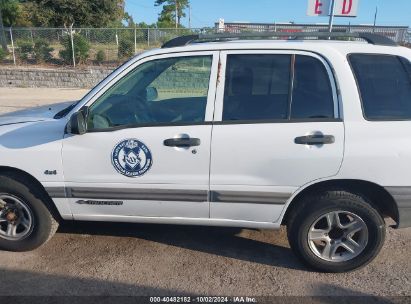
200	299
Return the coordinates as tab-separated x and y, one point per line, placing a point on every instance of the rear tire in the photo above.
336	231
25	221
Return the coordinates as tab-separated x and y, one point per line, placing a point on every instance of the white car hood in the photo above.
33	114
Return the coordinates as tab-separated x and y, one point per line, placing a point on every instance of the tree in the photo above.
2	36
10	10
145	25
128	19
81	49
167	16
57	13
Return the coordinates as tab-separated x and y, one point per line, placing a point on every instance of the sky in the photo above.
207	12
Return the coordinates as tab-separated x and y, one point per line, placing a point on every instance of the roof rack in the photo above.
185	40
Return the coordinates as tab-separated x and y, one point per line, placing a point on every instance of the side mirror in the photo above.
151	94
78	123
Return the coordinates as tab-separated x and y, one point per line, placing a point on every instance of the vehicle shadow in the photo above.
221	241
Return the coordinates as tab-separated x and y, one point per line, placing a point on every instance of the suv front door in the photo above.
147	148
277	127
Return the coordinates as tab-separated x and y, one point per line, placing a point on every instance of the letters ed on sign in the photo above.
318	7
346	8
343	8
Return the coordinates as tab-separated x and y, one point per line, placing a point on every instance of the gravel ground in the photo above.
135	259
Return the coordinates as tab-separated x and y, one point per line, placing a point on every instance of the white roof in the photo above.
318	46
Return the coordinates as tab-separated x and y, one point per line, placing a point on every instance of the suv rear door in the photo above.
276	127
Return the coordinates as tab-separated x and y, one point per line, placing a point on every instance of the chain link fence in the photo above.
408	38
83	46
112	46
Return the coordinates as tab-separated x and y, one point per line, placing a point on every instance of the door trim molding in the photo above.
130	194
243	197
250	197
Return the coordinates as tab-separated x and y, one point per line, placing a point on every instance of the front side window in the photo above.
384	83
276	87
172	90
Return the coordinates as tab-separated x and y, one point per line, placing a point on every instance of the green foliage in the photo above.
10	10
144	25
59	13
25	49
81	13
2	54
128	19
39	51
42	50
24	15
126	43
100	56
81	49
167	16
125	48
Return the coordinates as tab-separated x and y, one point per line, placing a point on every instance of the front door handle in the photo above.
182	142
315	139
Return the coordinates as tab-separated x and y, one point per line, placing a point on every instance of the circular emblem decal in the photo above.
131	158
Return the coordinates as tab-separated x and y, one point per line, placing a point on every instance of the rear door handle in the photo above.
182	142
316	139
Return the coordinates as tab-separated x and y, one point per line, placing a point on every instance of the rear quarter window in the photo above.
384	83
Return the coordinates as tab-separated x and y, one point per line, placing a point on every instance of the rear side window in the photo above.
276	87
384	83
257	87
312	92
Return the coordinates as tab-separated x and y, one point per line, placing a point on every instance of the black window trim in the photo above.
150	125
276	121
291	87
387	118
215	123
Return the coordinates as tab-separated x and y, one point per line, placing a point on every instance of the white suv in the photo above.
217	130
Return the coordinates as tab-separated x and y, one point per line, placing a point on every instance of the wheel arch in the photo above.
378	196
25	177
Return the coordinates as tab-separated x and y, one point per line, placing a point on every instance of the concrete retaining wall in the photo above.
51	78
61	78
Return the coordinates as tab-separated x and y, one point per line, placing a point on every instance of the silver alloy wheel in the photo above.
338	236
16	219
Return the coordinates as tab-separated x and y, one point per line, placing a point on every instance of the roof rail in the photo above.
181	41
185	40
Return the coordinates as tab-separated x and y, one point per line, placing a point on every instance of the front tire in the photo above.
25	221
336	231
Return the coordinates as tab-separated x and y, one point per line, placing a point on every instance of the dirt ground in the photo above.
136	259
13	99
